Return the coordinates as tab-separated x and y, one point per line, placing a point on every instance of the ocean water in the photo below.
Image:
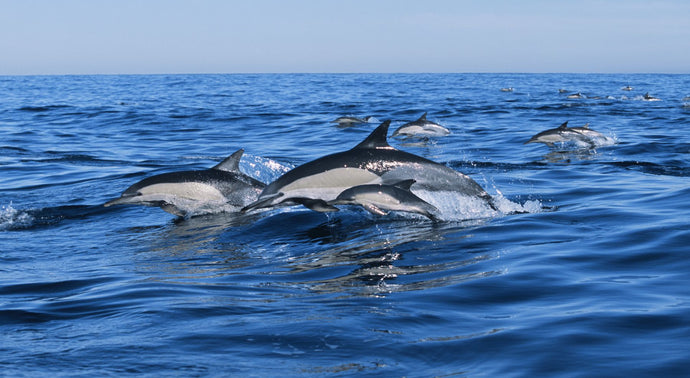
585	271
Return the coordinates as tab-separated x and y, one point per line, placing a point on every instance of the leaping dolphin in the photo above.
193	192
648	97
373	161
380	199
421	127
563	133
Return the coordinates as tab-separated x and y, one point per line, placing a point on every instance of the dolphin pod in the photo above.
372	174
318	183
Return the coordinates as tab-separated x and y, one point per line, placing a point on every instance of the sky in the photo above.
313	36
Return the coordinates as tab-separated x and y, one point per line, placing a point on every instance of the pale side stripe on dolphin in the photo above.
373	161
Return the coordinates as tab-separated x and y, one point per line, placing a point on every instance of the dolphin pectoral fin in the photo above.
172	209
374	209
316	204
405	184
490	201
264	202
432	217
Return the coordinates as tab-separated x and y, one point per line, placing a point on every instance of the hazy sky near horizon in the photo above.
247	36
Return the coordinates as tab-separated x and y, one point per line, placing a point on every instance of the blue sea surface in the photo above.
589	276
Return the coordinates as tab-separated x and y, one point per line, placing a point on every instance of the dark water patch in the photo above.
45	108
654	168
28	219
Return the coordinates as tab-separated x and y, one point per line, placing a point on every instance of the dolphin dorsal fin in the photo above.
563	126
586	126
378	139
231	163
423	117
405	184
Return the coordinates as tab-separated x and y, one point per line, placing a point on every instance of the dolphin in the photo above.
647	97
575	95
586	131
349	121
421	127
563	133
373	161
192	192
380	199
627	88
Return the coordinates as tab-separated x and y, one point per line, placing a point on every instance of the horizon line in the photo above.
348	73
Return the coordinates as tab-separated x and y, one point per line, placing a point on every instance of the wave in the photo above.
12	219
44	108
653	168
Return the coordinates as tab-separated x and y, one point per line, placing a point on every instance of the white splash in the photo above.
11	218
453	206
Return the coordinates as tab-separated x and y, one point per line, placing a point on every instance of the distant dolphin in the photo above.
647	97
508	89
627	88
563	133
186	192
349	121
373	161
421	127
380	199
575	95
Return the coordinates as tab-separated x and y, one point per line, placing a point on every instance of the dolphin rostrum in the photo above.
193	192
563	133
373	161
422	128
380	199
